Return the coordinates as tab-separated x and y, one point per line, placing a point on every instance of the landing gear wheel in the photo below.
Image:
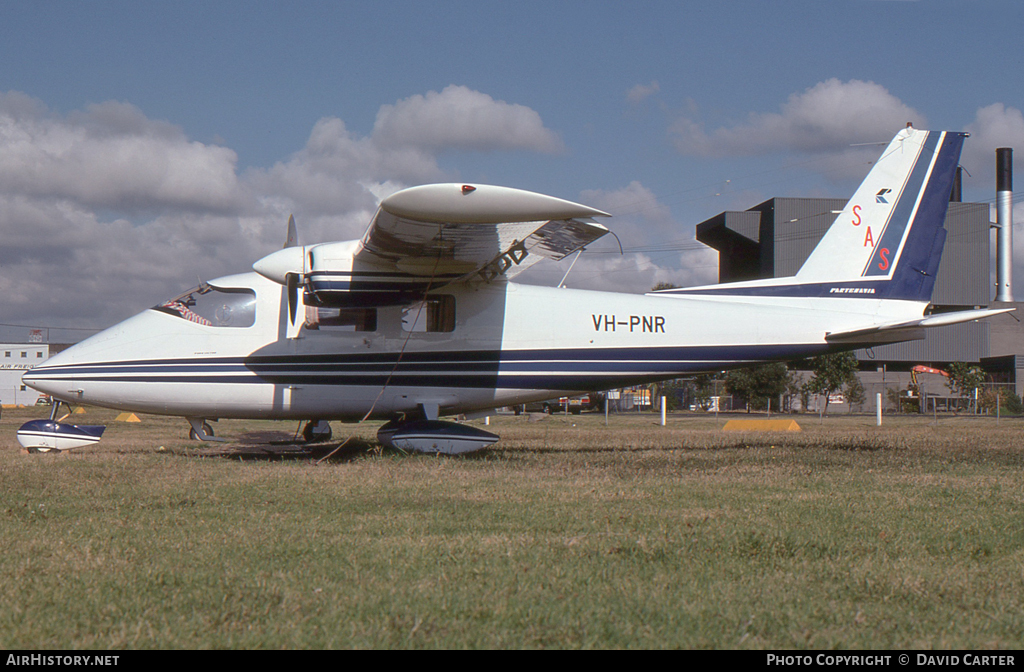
316	431
206	430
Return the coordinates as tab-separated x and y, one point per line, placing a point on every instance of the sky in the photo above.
146	146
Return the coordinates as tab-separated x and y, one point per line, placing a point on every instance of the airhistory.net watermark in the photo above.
60	660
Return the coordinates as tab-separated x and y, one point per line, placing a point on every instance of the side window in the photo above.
341	319
436	314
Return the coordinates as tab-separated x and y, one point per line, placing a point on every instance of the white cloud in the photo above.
104	212
657	248
638	216
62	263
461	118
111	156
332	185
640	92
827	117
993	127
632	200
631	272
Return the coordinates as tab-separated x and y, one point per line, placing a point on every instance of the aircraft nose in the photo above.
42	377
64	375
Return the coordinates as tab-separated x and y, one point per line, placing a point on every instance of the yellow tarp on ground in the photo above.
762	425
127	417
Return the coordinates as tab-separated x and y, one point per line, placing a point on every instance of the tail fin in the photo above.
888	240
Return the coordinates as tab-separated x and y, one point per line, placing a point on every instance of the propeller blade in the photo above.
292	281
292	238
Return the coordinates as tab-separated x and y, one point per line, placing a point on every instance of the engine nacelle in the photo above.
333	279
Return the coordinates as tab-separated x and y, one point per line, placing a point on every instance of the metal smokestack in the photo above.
1004	223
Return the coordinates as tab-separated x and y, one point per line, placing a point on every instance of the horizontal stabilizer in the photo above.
909	330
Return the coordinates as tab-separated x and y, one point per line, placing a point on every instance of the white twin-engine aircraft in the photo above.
420	318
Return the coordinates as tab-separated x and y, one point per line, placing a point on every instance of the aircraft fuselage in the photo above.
485	346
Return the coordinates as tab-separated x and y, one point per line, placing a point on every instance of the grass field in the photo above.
567	533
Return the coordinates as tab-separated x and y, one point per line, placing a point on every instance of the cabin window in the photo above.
214	307
436	314
341	319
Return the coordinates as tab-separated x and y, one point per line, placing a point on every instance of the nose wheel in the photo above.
201	430
205	428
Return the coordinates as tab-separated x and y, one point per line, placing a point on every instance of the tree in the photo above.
794	385
702	389
854	392
831	372
673	391
664	285
1009	400
758	384
904	401
964	379
1000	400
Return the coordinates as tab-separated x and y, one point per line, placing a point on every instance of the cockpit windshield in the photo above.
213	306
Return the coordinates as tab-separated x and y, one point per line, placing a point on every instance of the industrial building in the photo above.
15	360
774	238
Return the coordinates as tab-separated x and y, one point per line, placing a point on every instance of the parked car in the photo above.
574	405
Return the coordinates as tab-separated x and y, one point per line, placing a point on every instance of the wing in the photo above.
457	230
426	237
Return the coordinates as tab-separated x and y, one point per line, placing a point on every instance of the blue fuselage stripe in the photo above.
566	369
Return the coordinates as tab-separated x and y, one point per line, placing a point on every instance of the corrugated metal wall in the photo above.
799	224
966	342
963	278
